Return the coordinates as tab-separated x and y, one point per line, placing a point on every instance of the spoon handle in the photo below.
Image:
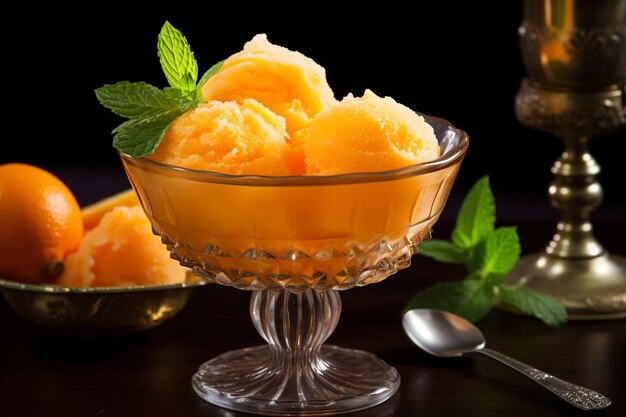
581	397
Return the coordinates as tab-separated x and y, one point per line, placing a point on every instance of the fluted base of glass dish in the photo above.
337	381
294	374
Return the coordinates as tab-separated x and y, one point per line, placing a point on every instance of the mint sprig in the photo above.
151	110
477	217
178	63
136	100
467	298
488	254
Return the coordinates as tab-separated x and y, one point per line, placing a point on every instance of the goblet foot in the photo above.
295	374
336	381
590	289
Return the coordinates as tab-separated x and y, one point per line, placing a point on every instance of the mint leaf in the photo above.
477	216
469	299
443	251
185	100
150	110
545	308
492	280
141	137
209	73
488	254
498	252
134	100
176	95
170	115
176	58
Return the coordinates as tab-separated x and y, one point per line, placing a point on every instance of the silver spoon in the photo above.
447	335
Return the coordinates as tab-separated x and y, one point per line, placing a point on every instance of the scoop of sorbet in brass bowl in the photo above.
98	311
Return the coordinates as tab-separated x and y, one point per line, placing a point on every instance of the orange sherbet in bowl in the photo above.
371	134
298	232
273	185
228	137
121	251
287	82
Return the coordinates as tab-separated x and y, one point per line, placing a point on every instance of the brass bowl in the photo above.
98	311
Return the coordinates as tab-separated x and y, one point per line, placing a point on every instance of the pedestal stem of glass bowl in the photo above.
295	372
295	325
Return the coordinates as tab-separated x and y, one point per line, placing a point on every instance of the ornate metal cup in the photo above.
575	54
574	45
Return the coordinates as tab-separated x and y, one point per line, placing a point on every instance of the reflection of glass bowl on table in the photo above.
98	311
297	240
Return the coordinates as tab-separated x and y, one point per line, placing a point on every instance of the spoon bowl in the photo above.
447	335
441	333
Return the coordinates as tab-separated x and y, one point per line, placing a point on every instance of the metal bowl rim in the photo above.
57	289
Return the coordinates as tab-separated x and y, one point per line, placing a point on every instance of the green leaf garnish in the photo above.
141	137
467	298
488	254
178	63
545	308
477	216
443	251
135	100
149	109
498	252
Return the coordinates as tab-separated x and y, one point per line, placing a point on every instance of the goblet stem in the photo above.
575	192
295	325
295	372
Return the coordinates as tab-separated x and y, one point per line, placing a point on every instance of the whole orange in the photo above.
40	223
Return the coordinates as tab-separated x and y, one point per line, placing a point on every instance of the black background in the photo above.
456	60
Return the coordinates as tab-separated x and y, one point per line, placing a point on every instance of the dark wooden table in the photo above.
42	374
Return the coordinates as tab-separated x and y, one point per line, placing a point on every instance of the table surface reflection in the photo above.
149	374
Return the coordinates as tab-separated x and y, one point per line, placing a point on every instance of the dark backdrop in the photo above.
451	59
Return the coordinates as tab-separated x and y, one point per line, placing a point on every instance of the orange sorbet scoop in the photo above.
367	134
231	138
287	82
121	251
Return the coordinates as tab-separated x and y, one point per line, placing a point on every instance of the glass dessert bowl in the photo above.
295	241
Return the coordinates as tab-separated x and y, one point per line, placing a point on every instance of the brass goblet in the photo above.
575	54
